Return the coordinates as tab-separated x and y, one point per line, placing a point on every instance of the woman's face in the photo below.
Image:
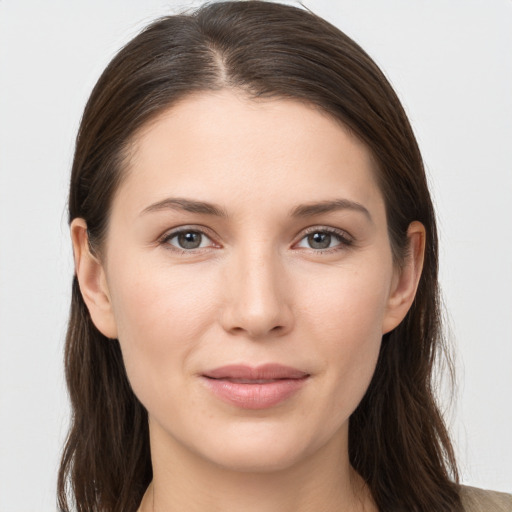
248	276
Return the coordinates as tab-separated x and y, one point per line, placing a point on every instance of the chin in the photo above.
262	460
258	451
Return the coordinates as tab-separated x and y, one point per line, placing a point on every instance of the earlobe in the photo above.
405	282
91	277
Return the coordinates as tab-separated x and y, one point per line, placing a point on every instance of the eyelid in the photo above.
171	233
345	238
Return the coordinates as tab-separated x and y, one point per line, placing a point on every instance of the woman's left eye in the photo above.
187	240
324	239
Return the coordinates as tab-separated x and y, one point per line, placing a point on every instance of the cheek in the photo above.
162	314
347	303
345	316
158	302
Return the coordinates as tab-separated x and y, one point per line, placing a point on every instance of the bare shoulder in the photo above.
480	500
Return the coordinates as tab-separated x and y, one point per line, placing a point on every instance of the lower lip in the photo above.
254	396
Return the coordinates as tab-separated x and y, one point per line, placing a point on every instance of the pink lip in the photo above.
254	388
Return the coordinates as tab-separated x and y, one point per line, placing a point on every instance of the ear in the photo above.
406	279
91	277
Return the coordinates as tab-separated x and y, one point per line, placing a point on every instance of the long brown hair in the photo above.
397	442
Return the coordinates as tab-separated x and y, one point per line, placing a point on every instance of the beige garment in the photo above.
479	500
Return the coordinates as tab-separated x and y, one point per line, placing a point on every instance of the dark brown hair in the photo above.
397	442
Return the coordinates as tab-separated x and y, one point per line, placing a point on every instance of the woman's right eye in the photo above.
187	240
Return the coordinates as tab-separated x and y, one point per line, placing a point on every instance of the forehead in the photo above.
228	148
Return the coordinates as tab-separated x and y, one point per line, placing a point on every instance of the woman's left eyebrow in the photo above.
318	208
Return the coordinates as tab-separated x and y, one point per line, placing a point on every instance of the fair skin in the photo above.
268	281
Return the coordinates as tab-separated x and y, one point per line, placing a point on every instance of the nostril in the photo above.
257	332
256	318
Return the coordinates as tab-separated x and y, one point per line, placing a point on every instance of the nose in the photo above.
257	303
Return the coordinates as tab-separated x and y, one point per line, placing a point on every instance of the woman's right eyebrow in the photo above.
188	205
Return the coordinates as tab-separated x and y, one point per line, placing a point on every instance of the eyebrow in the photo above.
312	209
303	210
188	205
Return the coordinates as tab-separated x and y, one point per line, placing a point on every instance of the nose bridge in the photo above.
257	302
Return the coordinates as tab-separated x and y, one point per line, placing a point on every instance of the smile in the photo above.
254	388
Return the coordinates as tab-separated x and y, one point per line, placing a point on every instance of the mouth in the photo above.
259	387
248	373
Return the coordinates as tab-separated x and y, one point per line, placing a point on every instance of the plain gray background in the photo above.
451	64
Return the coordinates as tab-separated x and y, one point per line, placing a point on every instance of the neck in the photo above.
324	482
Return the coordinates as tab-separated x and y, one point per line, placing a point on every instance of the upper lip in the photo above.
265	371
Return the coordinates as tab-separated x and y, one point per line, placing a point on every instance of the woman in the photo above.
255	313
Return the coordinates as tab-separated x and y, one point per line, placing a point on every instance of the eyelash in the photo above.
345	240
167	237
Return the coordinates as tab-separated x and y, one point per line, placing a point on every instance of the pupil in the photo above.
319	240
189	240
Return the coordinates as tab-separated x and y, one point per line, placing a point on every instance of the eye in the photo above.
324	239
187	239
